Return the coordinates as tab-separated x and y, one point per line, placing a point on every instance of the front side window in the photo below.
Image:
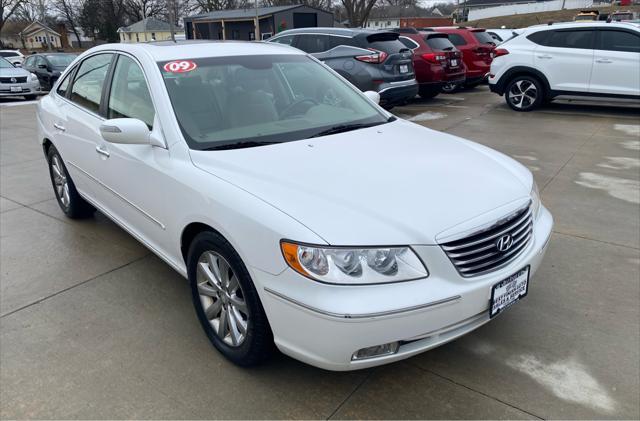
619	41
226	101
64	85
129	96
457	39
571	39
90	77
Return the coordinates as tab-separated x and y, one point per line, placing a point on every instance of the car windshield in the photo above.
483	37
241	101
4	63
9	54
60	60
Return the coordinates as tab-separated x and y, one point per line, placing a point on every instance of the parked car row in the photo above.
30	76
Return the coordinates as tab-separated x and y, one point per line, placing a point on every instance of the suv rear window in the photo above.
439	43
385	41
457	39
483	38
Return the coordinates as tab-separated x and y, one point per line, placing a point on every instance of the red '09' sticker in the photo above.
180	66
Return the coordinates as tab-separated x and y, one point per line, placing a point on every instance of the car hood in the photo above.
397	183
13	72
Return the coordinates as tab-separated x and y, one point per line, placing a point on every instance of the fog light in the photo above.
375	351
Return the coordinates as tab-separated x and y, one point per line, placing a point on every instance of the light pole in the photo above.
257	25
172	18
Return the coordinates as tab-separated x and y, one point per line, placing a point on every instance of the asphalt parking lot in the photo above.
92	325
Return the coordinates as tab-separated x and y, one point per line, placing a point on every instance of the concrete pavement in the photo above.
92	325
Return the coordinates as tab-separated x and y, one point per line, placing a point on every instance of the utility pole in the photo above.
257	24
172	19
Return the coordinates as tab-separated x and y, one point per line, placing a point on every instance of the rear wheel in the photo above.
69	200
226	301
524	93
450	87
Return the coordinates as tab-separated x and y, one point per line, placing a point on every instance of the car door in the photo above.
617	53
77	123
566	58
134	175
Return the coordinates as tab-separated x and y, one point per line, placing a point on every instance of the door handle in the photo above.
603	60
545	56
59	127
102	151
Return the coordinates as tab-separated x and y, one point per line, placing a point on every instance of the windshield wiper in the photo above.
239	145
344	128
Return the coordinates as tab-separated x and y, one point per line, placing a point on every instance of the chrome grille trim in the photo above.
478	254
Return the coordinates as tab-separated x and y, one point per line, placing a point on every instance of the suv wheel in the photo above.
450	88
226	302
70	201
428	92
524	93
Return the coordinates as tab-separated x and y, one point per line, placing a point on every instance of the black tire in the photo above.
450	88
30	97
74	206
524	93
428	92
257	344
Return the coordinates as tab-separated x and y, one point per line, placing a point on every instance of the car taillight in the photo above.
499	52
434	58
377	57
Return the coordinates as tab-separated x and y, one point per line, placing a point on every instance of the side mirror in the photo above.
373	96
129	131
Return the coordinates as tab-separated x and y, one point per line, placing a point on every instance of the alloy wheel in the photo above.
222	298
523	94
60	181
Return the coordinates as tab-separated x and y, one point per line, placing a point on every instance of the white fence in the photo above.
522	8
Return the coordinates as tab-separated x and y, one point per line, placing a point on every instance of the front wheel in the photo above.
524	93
226	301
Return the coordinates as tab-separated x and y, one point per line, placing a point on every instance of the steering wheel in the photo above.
291	109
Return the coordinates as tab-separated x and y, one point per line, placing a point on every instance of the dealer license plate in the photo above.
404	68
454	62
16	89
507	292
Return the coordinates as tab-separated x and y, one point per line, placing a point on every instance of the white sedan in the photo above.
301	212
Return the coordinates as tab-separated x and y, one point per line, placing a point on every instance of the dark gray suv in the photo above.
371	60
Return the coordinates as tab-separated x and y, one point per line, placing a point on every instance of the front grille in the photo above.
478	253
21	79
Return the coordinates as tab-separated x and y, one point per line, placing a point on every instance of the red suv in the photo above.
436	61
476	46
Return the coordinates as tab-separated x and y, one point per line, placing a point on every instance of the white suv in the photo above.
576	59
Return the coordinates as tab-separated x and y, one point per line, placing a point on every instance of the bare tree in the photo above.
9	8
137	10
69	11
358	11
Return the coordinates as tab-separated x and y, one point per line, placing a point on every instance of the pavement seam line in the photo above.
40	300
553	177
367	377
596	240
474	390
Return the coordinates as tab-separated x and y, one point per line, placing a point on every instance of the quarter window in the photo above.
619	41
87	85
457	39
129	96
409	43
571	39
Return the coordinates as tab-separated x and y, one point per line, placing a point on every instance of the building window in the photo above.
153	36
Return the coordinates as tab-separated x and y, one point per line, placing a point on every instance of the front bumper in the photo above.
19	89
323	325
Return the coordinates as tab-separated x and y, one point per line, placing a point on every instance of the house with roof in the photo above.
32	36
254	23
146	30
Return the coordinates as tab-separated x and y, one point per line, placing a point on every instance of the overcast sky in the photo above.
425	3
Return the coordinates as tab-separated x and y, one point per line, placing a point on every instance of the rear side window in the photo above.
619	41
409	43
87	85
337	41
539	38
457	39
571	39
483	38
314	43
440	43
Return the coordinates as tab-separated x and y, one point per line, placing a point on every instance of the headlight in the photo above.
345	265
535	201
33	77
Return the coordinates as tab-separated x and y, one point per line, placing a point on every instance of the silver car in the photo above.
15	81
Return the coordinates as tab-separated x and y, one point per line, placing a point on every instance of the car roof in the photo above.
169	50
598	24
345	32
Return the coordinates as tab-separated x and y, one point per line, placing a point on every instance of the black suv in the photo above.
371	60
